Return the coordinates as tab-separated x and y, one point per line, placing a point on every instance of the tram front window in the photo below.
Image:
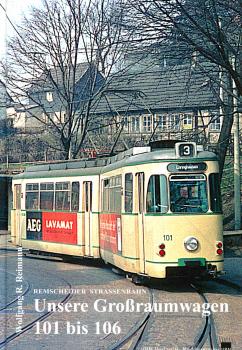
188	194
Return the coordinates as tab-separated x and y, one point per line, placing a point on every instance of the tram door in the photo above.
17	213
87	192
141	206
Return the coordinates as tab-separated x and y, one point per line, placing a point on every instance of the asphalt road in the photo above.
31	285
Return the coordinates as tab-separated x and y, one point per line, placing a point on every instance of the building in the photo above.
150	102
53	94
163	102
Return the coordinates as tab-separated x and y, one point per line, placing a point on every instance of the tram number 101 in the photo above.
167	237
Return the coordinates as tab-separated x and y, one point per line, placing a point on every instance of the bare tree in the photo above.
209	28
58	64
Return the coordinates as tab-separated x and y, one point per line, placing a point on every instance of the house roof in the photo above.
161	88
59	76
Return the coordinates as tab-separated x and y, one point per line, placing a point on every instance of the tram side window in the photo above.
32	196
17	197
117	195
75	192
88	195
156	199
62	196
215	196
106	185
112	195
128	197
47	196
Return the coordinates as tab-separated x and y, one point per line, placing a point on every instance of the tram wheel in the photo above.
118	271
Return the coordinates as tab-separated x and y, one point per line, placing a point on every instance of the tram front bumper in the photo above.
192	267
192	262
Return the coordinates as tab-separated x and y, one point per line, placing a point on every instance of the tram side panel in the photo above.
88	227
16	213
119	226
118	241
63	232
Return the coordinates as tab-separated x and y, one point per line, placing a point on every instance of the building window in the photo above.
48	117
161	120
63	117
135	124
168	122
147	120
215	124
126	124
187	121
49	96
174	121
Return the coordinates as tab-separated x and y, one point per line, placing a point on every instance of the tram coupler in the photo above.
212	271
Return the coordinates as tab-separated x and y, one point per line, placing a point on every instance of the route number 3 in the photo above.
186	150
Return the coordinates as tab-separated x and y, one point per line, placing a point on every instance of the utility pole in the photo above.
237	171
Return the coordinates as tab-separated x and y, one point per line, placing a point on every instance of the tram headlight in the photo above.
191	243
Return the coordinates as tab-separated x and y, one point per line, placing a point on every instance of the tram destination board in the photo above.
185	167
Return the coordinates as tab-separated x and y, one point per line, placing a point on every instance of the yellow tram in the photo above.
148	211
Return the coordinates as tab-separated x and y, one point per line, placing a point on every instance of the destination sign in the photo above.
183	167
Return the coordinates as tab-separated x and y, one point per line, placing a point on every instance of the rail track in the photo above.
14	300
206	334
44	316
208	331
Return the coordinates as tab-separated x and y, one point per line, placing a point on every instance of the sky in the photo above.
15	10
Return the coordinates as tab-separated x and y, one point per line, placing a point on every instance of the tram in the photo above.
5	185
151	212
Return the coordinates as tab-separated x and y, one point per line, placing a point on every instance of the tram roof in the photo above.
159	155
5	176
133	156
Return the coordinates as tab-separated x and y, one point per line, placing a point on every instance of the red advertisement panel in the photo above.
59	227
110	232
